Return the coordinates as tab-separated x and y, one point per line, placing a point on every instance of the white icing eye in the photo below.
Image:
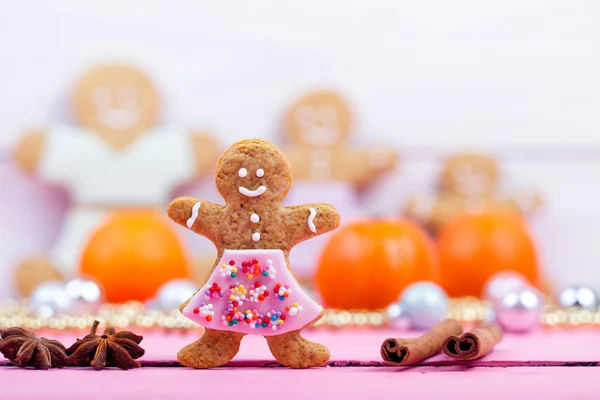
242	172
260	173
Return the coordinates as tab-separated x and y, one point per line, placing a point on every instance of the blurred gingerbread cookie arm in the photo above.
527	203
360	167
310	220
29	150
206	151
420	208
200	216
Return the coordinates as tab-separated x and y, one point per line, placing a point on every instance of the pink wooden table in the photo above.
556	364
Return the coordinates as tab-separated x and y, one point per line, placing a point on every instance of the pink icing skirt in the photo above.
253	292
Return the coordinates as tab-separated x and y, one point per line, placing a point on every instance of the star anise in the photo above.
113	349
24	349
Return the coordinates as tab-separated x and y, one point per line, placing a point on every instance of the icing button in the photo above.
256	236
254	218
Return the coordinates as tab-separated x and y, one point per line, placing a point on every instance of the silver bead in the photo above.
50	299
501	283
519	310
173	294
579	297
423	304
86	294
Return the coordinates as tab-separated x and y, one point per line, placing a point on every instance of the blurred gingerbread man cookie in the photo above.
251	288
117	158
468	183
317	127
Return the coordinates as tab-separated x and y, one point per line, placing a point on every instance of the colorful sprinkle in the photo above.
213	292
294	309
282	291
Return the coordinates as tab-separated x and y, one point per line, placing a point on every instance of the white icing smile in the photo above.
252	193
116	109
115	118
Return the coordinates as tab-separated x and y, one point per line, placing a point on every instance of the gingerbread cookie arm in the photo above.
309	220
420	207
527	203
361	166
200	216
28	151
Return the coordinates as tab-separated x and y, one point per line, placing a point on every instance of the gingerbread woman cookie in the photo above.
251	289
468	183
118	158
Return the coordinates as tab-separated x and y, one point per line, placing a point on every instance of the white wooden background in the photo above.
518	78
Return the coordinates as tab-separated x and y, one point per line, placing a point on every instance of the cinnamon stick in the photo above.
473	344
405	351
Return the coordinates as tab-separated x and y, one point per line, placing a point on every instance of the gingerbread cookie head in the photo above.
251	170
319	119
470	175
117	102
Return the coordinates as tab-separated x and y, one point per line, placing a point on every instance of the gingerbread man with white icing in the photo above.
318	126
469	182
118	158
251	289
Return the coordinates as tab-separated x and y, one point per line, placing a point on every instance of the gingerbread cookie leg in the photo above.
33	271
213	349
293	351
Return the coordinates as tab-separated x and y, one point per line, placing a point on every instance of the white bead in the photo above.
242	172
256	236
254	218
260	172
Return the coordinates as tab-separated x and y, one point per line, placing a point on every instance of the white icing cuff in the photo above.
311	217
192	219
